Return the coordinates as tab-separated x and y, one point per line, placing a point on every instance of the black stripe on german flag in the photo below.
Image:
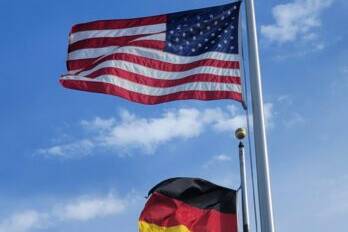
189	205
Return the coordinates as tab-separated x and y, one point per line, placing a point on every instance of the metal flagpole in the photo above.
240	134
262	168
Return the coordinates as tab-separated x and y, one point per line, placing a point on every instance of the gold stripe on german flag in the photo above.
189	205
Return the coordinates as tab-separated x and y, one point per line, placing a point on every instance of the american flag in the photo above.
186	55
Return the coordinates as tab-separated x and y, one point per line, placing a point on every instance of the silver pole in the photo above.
244	188
262	168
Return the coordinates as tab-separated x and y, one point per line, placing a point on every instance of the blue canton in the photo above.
194	32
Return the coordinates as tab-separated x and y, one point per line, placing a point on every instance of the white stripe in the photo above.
162	75
97	52
155	91
151	53
159	37
92	52
150	29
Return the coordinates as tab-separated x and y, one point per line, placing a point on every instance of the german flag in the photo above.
189	205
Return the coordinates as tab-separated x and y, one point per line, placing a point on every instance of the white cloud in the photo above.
23	221
217	160
129	131
293	120
345	70
295	20
83	147
87	208
337	195
289	115
98	123
222	157
81	209
269	114
149	133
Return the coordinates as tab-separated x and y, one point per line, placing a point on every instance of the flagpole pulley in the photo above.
240	134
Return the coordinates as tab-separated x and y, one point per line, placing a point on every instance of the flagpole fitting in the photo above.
240	133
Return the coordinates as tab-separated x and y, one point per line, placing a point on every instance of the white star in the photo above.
198	24
234	7
206	48
211	16
213	41
194	37
216	22
181	47
193	49
219	45
187	42
206	40
222	18
220	29
177	39
232	27
191	29
171	32
201	33
226	31
199	45
219	36
232	47
231	37
178	28
212	34
226	24
208	27
225	41
233	17
229	12
183	34
205	21
169	44
198	17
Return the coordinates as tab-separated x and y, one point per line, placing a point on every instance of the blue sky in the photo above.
77	161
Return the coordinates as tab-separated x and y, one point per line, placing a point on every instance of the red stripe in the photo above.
140	79
87	63
119	23
167	212
79	64
103	42
165	66
107	88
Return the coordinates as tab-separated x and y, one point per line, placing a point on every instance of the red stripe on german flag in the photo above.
189	205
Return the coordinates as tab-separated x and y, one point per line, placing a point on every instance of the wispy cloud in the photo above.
345	70
217	159
129	131
289	112
294	120
338	196
149	133
81	209
296	20
23	221
84	146
86	208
